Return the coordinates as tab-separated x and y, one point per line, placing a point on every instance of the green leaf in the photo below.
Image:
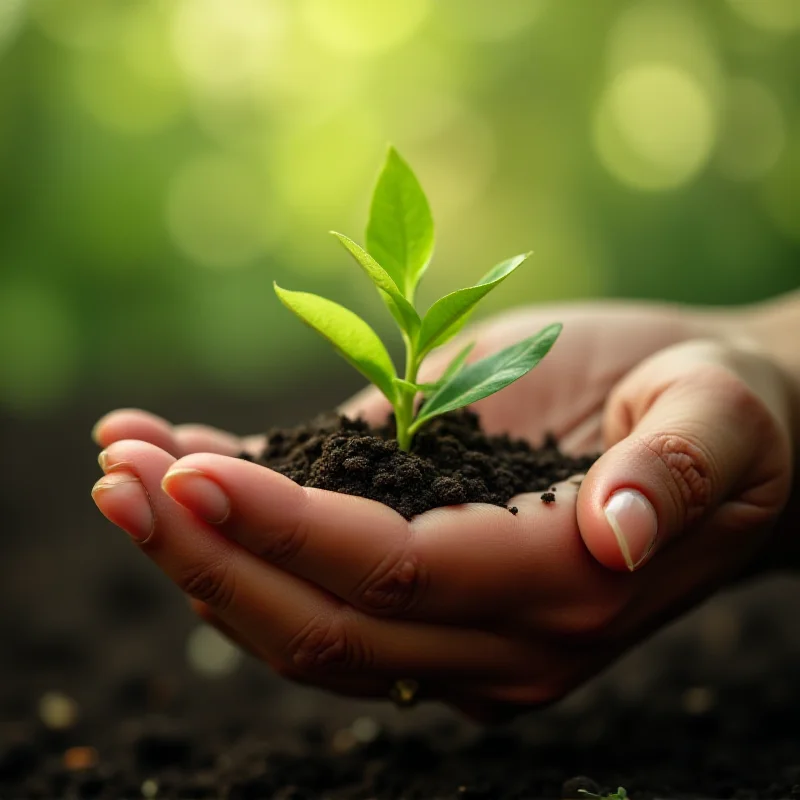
449	314
489	375
400	228
405	314
348	333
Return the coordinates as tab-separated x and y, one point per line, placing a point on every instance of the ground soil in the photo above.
708	708
451	462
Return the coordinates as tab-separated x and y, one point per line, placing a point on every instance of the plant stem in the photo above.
404	411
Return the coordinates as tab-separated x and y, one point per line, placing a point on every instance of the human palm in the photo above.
489	611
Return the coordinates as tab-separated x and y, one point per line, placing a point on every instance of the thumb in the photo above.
692	427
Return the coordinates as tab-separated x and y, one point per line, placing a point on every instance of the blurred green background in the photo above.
162	162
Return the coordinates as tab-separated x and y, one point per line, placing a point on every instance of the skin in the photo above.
695	411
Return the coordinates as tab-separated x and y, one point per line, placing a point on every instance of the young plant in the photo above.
399	246
620	794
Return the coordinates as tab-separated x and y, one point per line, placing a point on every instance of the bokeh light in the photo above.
654	127
226	48
362	27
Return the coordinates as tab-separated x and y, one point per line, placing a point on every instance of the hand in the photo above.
488	611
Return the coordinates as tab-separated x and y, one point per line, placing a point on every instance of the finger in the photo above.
298	624
206	613
458	564
690	428
134	423
178	440
194	438
351	687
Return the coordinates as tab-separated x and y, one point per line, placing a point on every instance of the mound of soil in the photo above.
451	462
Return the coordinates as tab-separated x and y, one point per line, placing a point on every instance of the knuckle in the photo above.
325	643
394	586
283	546
211	583
691	470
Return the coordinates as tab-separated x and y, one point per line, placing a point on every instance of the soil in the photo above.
710	707
451	462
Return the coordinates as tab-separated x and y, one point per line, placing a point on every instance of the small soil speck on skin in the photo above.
514	510
451	462
548	497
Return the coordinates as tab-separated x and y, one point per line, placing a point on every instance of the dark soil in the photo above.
451	462
708	708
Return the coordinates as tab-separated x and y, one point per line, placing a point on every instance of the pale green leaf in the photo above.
348	333
403	312
489	375
449	314
400	228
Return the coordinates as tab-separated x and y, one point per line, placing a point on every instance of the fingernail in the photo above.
124	501
102	460
202	496
635	524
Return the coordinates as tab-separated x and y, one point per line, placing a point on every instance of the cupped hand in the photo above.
488	611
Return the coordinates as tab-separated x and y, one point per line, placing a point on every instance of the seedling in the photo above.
399	246
620	794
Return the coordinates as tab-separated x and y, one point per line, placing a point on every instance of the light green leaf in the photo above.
449	314
348	333
403	312
489	375
400	228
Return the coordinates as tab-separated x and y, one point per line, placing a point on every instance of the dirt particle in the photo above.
514	510
548	497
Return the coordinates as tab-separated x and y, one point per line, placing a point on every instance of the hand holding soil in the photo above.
489	611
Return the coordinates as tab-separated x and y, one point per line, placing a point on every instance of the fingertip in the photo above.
617	521
134	423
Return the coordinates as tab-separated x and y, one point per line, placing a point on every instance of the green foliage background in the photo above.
163	161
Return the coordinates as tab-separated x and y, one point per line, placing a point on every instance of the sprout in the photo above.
399	246
620	794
